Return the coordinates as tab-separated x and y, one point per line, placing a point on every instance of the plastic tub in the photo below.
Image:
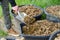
10	38
38	16
52	37
29	37
51	17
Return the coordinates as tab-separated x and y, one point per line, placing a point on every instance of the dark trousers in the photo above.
7	18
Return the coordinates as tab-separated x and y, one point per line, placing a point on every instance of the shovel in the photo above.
21	16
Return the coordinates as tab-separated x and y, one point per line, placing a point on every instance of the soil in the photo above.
41	27
12	31
29	20
54	10
30	10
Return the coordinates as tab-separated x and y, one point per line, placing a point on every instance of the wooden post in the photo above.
5	7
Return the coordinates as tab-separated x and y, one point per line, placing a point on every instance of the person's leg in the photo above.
5	7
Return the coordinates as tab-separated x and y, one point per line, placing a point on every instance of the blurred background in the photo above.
40	3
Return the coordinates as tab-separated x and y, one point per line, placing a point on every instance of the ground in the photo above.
11	31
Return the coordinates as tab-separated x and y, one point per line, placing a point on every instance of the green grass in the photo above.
40	3
3	34
1	12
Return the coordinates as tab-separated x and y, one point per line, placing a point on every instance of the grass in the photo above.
40	3
1	12
3	34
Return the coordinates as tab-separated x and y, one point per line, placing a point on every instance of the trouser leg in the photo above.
7	19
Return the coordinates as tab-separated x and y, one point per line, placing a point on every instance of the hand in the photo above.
15	9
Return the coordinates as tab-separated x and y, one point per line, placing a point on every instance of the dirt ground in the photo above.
4	28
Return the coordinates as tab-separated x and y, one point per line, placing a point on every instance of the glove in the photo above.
15	9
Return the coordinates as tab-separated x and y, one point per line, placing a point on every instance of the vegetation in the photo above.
40	3
2	33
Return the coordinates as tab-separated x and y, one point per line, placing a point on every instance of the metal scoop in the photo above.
21	16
